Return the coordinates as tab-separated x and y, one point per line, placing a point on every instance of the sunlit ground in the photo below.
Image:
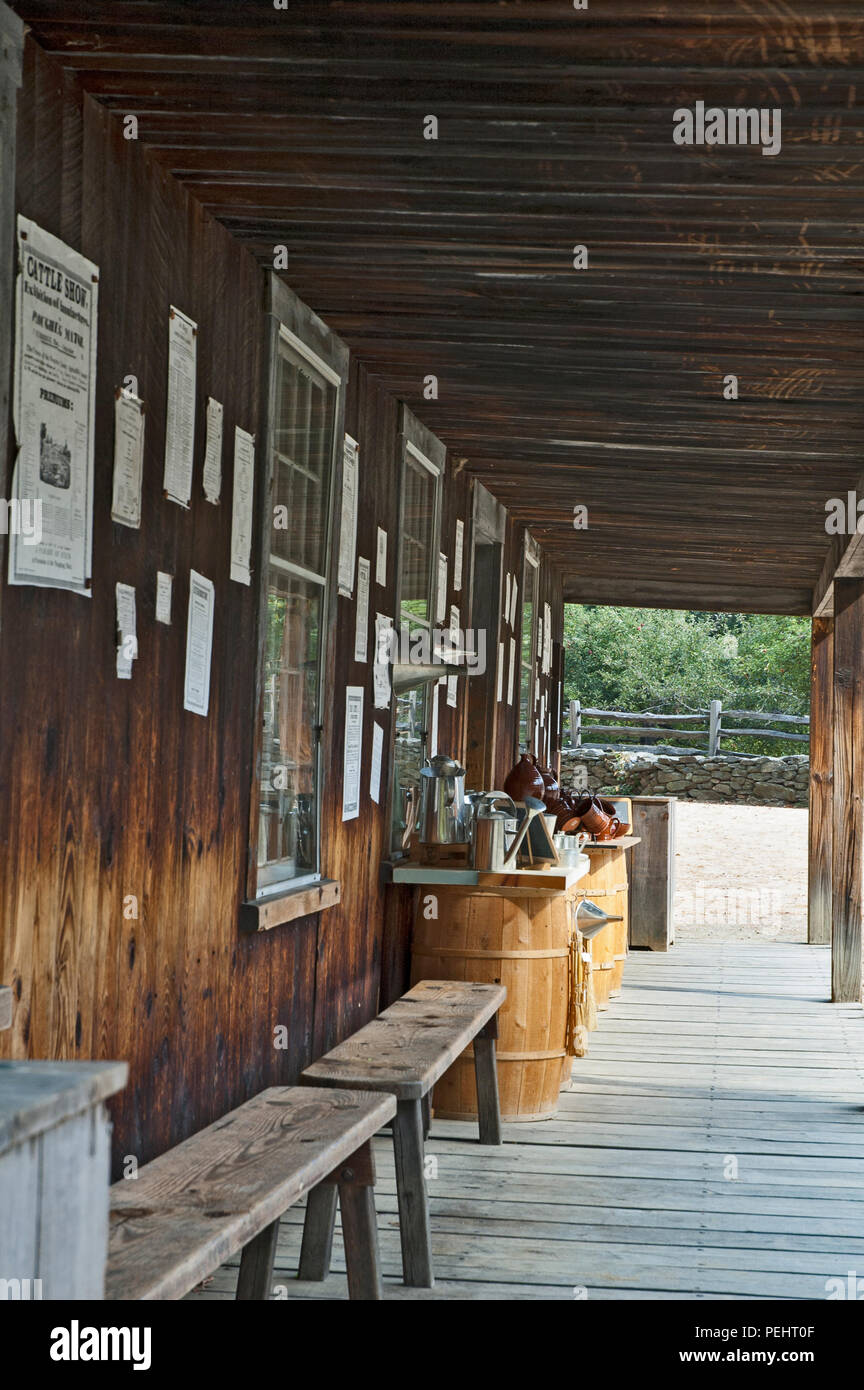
741	873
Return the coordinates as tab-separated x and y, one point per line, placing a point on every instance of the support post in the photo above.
575	724
821	777
714	728
847	791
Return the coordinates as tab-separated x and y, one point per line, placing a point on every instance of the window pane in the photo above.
303	439
418	519
526	687
288	826
409	749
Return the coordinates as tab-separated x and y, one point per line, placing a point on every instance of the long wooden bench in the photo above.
225	1189
403	1052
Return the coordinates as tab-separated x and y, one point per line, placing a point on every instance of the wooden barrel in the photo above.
603	961
520	938
619	935
606	885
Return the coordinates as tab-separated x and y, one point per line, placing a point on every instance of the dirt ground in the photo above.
741	873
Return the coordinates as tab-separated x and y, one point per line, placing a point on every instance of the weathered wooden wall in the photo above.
108	789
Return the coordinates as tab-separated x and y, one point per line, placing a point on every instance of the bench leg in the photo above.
411	1191
486	1075
318	1226
256	1265
426	1103
360	1225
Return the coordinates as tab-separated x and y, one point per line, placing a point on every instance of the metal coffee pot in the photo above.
442	819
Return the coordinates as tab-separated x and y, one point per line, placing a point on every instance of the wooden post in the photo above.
575	724
821	772
11	41
847	791
714	730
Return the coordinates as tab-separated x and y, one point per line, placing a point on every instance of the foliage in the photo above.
673	662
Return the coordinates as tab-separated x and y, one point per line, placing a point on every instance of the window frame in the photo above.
272	899
11	47
531	556
428	451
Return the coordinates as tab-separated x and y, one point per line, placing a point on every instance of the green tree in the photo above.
673	662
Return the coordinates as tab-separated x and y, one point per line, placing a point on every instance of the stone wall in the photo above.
691	776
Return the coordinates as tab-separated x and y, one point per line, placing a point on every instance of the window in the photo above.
303	434
528	654
419	530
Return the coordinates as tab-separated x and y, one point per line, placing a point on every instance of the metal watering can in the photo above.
489	852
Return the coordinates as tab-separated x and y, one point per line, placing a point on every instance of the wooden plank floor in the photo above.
710	1147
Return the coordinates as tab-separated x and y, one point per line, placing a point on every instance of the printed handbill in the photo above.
53	411
457	555
353	752
381	558
180	419
361	628
128	459
241	512
213	452
441	590
199	644
377	759
164	584
455	642
381	661
348	526
127	639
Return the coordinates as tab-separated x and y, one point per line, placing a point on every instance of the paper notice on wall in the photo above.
127	639
455	644
547	639
199	644
361	622
377	759
381	687
348	525
500	673
507	599
514	603
164	586
511	673
241	507
213	452
458	550
353	752
441	590
381	558
128	459
180	416
53	401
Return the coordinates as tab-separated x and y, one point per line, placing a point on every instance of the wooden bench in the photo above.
225	1189
403	1052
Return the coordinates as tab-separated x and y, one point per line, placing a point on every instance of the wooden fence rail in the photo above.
659	725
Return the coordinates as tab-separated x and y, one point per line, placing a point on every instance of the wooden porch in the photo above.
715	1055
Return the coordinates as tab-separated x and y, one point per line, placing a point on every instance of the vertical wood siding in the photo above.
108	789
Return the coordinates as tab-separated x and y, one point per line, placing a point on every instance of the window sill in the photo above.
266	913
